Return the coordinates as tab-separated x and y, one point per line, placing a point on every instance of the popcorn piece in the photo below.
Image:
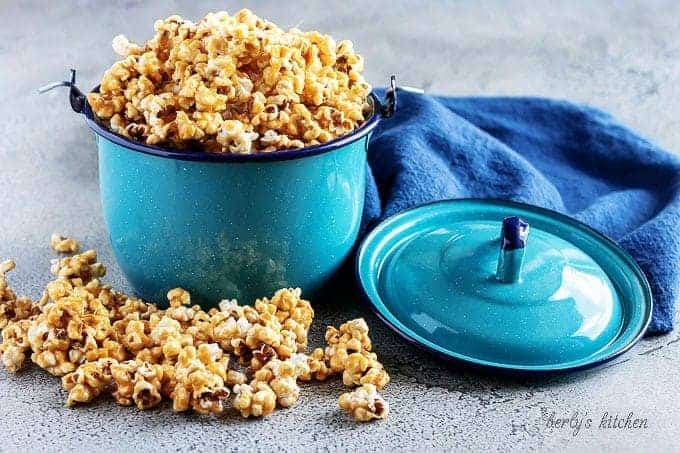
348	352
364	369
292	312
108	349
200	328
300	362
228	328
178	297
256	400
88	381
281	376
15	345
261	356
136	336
355	366
353	333
286	389
63	244
179	300
200	375
202	391
69	328
262	89
141	383
318	366
148	383
352	336
235	378
6	294
121	306
123	47
123	375
7	266
364	404
167	333
13	309
79	269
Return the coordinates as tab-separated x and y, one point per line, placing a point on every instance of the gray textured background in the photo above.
622	56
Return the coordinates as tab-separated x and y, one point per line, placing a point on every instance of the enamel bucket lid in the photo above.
504	285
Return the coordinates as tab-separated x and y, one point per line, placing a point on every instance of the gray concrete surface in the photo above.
622	56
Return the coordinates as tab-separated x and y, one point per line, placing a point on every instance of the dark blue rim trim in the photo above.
359	133
488	368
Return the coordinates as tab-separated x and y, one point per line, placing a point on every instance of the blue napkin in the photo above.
555	154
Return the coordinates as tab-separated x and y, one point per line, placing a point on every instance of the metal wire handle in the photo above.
76	97
389	106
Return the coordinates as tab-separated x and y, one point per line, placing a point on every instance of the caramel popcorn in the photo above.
72	325
235	377
293	313
148	383
103	342
123	374
300	363
200	375
352	336
364	369
179	297
12	308
88	381
229	329
7	296
15	345
63	244
318	365
256	400
281	376
348	352
364	404
79	269
260	357
232	84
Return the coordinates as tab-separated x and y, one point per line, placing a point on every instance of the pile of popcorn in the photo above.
101	341
233	84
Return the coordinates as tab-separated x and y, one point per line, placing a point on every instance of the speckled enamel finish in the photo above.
231	229
430	273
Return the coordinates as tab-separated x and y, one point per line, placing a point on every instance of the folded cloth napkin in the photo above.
555	154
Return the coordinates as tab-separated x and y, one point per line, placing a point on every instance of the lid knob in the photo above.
514	236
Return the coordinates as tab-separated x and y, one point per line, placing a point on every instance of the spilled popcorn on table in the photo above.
103	342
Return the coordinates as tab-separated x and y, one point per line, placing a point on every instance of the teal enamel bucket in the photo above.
229	226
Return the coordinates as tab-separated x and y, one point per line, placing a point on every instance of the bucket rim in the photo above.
201	156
